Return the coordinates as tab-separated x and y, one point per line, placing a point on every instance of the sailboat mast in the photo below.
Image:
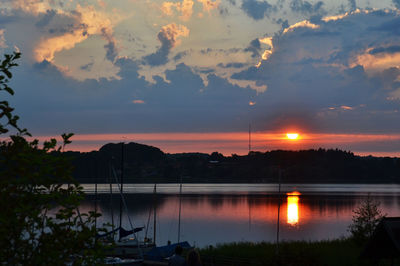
180	207
111	196
155	216
95	194
122	184
279	208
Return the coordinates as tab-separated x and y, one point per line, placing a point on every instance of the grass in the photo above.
334	252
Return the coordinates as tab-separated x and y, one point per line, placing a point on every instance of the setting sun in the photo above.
292	136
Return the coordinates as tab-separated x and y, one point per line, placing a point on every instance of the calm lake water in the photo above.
223	213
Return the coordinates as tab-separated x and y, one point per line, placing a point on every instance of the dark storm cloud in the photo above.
160	57
392	26
254	48
307	8
256	9
92	106
168	37
390	50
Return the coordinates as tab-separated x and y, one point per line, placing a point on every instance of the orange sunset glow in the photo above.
231	142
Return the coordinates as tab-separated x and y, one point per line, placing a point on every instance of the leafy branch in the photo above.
5	109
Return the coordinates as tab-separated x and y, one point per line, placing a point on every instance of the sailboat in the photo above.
128	244
160	255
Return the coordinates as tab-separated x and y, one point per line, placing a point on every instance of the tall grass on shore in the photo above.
333	252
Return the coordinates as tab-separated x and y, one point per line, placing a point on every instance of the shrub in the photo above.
365	219
40	223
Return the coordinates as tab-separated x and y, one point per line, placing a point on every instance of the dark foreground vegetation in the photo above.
40	223
329	253
146	164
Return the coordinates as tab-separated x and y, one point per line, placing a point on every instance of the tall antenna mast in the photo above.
122	185
249	138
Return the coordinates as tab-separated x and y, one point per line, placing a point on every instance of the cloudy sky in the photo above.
191	75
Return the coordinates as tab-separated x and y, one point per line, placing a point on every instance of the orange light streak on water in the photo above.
293	208
238	210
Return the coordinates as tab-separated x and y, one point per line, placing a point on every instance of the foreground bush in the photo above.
40	223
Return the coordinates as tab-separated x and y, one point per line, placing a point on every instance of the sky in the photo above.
192	75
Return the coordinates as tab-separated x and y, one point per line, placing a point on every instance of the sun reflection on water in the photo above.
293	208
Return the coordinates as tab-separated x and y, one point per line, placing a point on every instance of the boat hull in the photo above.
130	251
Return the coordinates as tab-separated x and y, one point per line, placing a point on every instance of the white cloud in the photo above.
301	24
89	22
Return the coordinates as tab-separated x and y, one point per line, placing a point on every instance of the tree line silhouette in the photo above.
147	164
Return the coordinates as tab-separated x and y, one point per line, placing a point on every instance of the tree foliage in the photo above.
365	219
40	223
149	164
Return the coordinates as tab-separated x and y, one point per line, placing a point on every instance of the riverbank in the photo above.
329	253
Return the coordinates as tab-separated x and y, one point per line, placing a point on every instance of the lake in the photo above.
223	213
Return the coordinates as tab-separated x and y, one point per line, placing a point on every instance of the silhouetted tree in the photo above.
365	219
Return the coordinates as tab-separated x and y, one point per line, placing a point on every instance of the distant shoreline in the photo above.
146	164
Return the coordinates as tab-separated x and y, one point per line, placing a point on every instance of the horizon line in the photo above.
237	142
